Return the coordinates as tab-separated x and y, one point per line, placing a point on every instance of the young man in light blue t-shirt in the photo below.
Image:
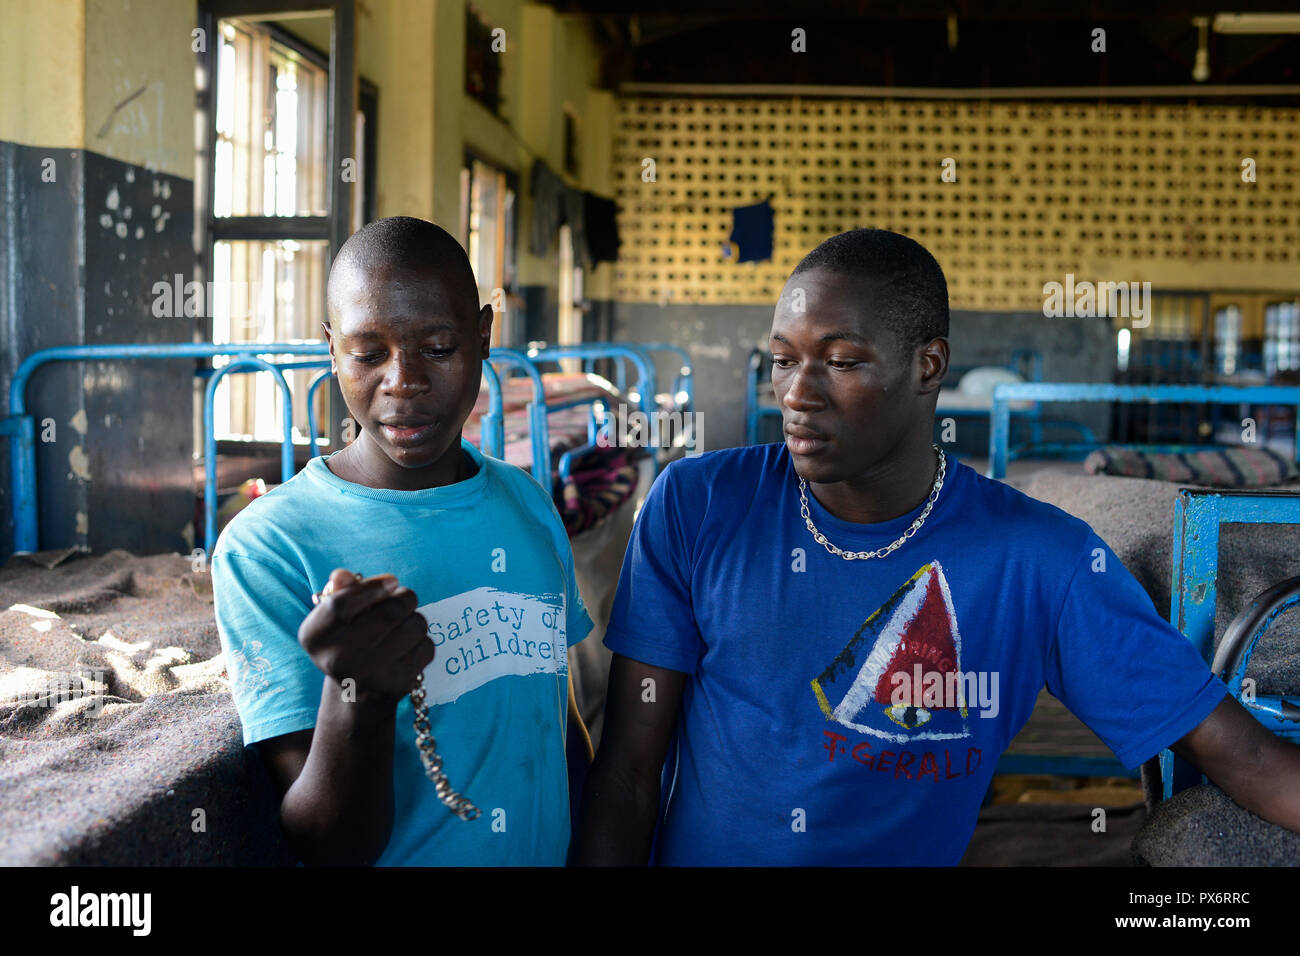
435	561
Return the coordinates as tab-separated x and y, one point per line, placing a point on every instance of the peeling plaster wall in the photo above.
140	82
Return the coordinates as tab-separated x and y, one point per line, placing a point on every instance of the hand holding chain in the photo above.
424	741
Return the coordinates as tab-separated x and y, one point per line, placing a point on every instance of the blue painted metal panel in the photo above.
1194	596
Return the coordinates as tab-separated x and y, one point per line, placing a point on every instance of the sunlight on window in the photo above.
271	152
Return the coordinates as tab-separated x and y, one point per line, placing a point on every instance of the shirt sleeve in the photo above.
260	603
1120	667
653	619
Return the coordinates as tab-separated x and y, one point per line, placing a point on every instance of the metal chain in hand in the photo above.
424	742
427	746
879	552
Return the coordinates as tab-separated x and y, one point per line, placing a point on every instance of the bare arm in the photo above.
336	782
621	799
1258	770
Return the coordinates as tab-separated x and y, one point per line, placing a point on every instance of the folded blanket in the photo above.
1221	466
601	480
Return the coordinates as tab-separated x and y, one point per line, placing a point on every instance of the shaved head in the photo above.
407	342
407	247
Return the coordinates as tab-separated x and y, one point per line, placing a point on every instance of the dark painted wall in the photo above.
79	258
719	338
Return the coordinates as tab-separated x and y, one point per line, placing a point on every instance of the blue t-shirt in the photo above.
490	563
853	712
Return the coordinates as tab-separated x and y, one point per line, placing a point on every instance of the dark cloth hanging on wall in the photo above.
575	217
590	218
601	228
549	207
751	231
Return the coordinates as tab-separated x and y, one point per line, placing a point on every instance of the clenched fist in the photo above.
369	631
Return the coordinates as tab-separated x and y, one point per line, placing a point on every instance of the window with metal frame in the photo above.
270	159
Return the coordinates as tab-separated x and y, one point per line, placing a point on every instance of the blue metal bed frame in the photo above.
1198	515
1000	434
20	426
635	355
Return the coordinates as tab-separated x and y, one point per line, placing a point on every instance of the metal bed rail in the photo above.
1198	516
1000	433
644	391
20	426
754	412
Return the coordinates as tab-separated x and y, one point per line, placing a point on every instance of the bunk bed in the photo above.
1257	655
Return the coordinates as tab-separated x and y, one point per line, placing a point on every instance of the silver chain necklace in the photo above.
879	552
424	741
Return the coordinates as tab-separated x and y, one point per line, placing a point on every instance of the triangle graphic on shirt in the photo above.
892	678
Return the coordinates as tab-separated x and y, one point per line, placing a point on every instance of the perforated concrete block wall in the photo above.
1104	191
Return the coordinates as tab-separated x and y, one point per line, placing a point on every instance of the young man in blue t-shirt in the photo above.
433	561
832	640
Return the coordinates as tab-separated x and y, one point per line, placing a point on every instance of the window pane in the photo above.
271	136
267	292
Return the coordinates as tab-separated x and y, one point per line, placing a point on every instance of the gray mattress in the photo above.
119	740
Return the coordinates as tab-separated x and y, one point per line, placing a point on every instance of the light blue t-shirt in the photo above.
490	563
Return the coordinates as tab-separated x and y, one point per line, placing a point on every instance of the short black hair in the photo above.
913	292
409	245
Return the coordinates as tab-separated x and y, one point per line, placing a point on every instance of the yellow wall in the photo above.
414	52
65	65
42	73
1039	190
142	49
395	51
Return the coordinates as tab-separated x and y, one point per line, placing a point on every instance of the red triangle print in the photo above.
907	640
927	641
